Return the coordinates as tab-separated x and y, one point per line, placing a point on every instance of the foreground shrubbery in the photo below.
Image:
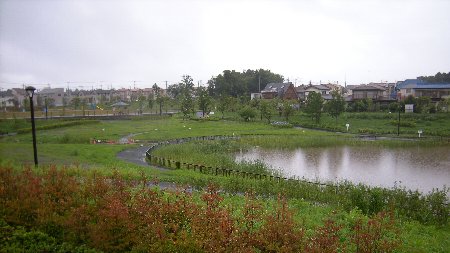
115	215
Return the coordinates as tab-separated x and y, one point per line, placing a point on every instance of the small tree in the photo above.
204	101
247	113
159	97
314	106
26	103
336	105
83	105
187	104
266	109
223	104
288	109
141	101
76	101
151	101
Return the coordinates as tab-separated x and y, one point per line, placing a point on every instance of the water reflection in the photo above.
416	168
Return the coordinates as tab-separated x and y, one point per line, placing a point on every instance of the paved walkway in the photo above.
135	155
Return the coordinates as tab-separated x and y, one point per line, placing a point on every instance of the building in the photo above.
7	99
55	95
279	90
20	95
420	88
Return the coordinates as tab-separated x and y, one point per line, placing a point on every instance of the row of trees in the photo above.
237	84
438	78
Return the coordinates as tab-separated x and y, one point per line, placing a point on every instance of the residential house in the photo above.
101	96
7	99
367	91
123	94
301	92
20	95
279	90
420	88
56	95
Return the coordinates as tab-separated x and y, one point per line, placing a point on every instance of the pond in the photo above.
421	168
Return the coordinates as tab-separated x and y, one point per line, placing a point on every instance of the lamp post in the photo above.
30	91
399	109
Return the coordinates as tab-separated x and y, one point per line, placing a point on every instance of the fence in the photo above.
173	164
79	114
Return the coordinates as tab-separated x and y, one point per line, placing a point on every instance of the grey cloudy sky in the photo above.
118	41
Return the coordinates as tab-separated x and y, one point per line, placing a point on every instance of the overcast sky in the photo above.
120	41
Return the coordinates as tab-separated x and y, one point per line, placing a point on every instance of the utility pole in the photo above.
259	83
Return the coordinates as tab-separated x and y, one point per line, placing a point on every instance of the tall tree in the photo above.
336	105
314	106
159	97
235	84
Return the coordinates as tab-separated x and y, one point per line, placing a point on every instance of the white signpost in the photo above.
420	132
347	125
409	108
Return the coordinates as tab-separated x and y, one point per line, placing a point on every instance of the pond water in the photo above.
421	168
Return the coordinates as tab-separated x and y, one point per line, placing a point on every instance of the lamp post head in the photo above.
30	91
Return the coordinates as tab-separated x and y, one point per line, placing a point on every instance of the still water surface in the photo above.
414	168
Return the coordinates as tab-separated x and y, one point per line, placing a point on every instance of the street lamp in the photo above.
30	91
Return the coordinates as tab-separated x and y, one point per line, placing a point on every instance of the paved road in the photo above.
134	155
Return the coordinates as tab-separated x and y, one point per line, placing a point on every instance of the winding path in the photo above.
135	155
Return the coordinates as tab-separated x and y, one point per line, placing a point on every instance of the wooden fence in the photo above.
173	164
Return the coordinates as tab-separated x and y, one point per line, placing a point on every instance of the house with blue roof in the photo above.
420	88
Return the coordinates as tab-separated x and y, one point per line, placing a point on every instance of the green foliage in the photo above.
112	214
288	109
75	102
187	105
266	109
314	106
237	84
247	113
18	239
336	106
438	78
223	104
204	101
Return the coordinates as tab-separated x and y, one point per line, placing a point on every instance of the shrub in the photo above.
115	215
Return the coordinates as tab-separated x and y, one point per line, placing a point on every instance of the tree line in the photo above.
438	78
